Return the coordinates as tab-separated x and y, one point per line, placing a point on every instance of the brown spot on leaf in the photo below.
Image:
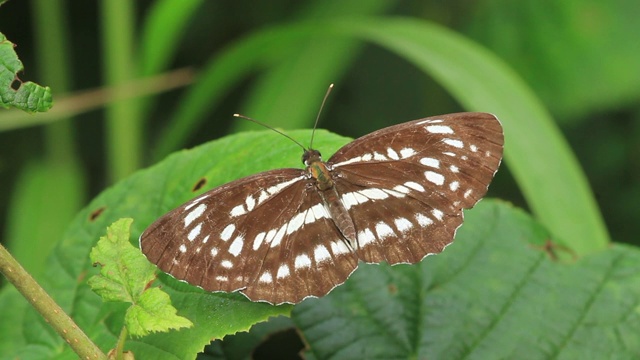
556	251
393	289
199	184
95	213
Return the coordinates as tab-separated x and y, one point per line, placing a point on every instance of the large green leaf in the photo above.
494	293
145	196
535	151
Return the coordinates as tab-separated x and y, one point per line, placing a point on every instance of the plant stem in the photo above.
44	304
119	351
124	121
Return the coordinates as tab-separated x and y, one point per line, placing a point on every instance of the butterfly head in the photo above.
311	156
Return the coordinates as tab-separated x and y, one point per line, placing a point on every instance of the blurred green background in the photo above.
579	57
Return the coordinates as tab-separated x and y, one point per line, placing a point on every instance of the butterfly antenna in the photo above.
270	128
320	112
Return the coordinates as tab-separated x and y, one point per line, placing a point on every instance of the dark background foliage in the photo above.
579	57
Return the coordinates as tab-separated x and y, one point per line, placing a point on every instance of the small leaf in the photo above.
153	313
125	271
124	276
27	96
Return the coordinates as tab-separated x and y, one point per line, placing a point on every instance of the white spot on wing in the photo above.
320	254
258	240
394	193
365	237
339	248
431	162
379	157
454	168
251	202
194	214
360	198
437	214
402	189
467	193
222	278
414	186
266	278
182	248
194	232
270	235
283	271
309	218
407	152
384	230
226	264
454	185
295	223
319	212
237	211
473	148
434	177
263	196
439	129
278	187
236	246
374	194
350	161
214	252
279	235
423	220
348	200
227	232
392	154
206	238
367	157
302	261
454	142
403	224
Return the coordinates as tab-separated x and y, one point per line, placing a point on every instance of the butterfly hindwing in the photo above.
284	235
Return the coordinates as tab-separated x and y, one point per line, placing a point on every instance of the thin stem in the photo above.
124	120
119	350
44	304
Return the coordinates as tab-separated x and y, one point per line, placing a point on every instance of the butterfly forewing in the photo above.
275	237
406	185
266	235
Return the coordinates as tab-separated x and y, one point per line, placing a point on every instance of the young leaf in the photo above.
124	276
124	272
147	195
26	96
153	313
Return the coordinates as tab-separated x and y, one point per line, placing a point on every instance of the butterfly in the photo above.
395	195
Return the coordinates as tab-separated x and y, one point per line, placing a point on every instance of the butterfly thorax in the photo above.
329	194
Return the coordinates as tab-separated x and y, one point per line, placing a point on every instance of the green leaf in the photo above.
145	196
494	293
160	37
479	80
124	275
46	193
329	59
287	50
482	82
28	96
124	271
153	313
